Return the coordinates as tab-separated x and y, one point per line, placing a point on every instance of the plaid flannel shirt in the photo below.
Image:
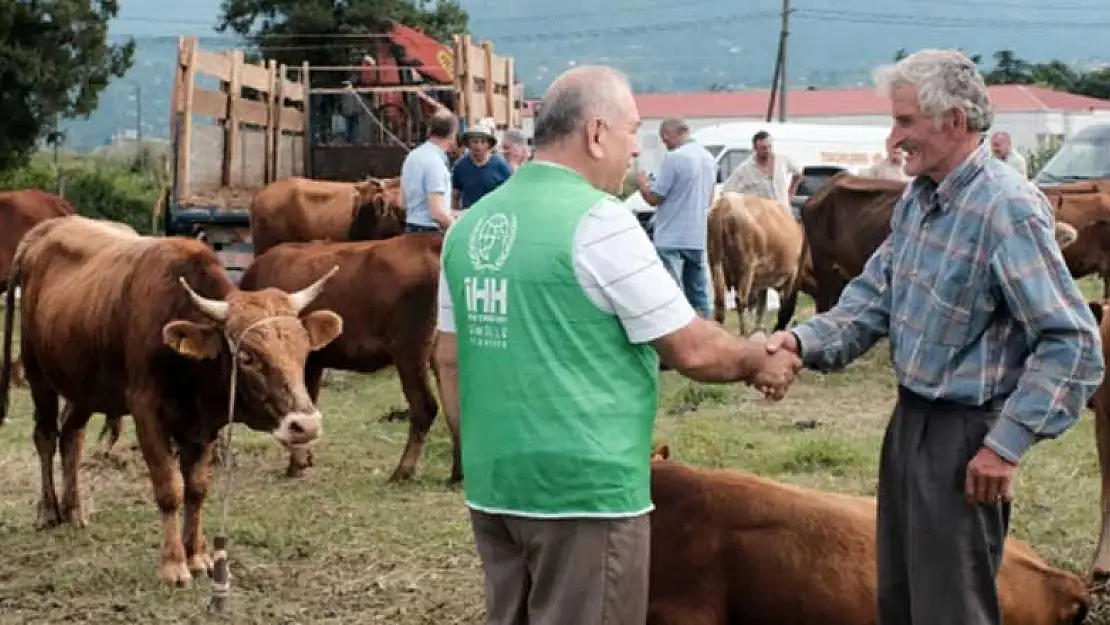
973	292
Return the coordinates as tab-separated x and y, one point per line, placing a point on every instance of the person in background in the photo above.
890	167
765	173
426	177
1004	151
994	346
554	310
682	193
480	170
515	148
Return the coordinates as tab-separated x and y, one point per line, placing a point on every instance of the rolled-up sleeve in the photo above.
1066	366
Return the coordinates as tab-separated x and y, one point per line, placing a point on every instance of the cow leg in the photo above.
743	294
1100	568
167	482
46	443
422	411
113	426
301	457
761	308
196	467
74	420
456	438
787	306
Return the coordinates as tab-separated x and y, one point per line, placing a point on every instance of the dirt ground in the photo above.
340	545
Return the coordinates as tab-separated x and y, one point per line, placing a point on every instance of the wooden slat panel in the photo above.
292	119
255	77
211	64
253	112
209	103
293	91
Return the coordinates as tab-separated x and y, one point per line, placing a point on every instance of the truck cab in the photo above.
1084	156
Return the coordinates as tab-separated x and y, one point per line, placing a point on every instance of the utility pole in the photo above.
782	55
139	155
778	80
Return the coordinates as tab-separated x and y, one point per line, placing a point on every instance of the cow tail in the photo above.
14	281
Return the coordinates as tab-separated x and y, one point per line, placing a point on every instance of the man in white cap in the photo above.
480	170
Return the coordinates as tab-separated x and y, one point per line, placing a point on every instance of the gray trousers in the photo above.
564	571
938	556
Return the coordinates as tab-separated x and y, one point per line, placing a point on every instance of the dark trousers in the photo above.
564	571
418	228
938	556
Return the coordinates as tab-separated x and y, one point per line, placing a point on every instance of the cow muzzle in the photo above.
299	428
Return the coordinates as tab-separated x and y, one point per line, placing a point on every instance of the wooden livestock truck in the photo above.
237	126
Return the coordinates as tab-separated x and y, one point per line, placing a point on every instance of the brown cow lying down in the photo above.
732	548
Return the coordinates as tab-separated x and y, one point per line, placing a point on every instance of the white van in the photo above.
821	150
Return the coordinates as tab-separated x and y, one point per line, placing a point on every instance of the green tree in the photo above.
293	31
55	60
1009	70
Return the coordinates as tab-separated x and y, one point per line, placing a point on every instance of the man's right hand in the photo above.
776	372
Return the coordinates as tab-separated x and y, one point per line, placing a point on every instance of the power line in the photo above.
932	21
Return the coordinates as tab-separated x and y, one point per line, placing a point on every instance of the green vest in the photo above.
557	406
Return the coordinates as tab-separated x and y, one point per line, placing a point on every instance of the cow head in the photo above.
273	343
378	211
660	451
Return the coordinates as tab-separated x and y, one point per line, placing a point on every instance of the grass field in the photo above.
339	545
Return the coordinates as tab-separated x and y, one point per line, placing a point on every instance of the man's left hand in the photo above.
990	478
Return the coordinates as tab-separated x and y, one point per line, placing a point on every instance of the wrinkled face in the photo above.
764	150
513	152
274	342
613	143
1000	145
927	142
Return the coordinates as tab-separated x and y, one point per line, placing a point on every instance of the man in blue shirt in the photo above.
682	193
480	170
426	178
993	345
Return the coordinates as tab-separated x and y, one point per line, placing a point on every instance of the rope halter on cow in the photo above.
221	573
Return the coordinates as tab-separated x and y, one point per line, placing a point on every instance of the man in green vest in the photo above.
554	312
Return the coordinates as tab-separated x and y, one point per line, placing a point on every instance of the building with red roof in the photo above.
1032	115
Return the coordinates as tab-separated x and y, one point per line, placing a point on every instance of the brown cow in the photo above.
754	245
1100	404
302	209
732	548
385	292
848	218
111	323
1087	207
19	212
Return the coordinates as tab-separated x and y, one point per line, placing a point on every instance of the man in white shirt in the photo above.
1003	150
765	173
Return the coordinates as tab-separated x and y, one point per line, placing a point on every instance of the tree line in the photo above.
1010	69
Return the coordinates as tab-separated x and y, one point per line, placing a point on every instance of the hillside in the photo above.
664	45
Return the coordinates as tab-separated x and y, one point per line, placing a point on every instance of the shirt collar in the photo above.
939	196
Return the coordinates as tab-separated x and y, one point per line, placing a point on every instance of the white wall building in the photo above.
1032	115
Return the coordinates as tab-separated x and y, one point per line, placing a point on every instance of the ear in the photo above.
192	340
323	327
1096	310
1066	234
661	452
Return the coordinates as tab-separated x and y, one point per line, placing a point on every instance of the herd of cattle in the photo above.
121	324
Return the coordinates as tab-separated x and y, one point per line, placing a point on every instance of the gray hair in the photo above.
944	80
515	136
575	96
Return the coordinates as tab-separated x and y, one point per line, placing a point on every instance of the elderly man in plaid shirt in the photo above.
993	345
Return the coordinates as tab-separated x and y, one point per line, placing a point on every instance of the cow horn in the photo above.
305	296
214	308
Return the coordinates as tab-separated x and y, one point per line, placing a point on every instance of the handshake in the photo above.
776	366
